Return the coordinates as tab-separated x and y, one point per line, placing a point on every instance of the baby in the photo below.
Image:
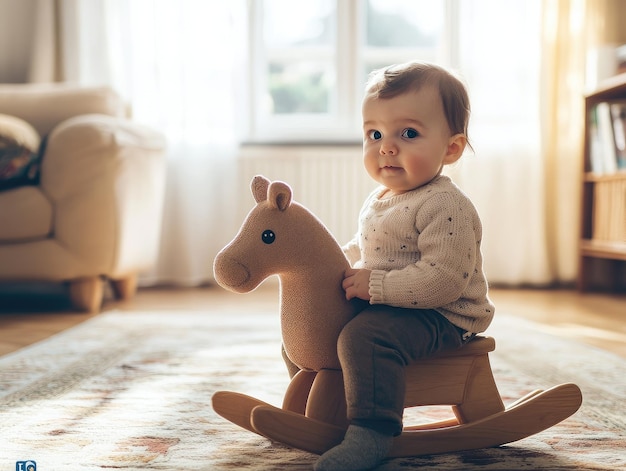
416	257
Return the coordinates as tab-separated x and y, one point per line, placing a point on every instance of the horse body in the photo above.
281	237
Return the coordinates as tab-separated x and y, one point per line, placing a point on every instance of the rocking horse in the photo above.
280	236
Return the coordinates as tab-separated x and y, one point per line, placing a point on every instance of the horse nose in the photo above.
230	273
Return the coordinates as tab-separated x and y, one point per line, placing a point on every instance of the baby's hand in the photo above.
356	283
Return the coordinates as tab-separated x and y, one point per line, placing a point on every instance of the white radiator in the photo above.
329	180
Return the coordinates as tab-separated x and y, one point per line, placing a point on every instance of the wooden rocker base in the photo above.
519	421
313	418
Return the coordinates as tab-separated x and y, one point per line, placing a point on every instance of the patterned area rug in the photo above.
133	391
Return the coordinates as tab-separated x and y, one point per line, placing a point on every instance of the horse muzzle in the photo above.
231	274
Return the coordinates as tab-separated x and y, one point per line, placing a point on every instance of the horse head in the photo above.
281	237
252	256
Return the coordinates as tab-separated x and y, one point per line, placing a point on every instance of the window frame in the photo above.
344	127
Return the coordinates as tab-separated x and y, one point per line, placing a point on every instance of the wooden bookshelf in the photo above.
602	247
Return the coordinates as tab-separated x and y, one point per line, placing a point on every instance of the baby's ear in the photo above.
456	146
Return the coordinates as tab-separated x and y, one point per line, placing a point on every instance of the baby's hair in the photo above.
394	80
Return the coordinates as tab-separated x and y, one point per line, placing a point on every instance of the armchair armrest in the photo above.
105	177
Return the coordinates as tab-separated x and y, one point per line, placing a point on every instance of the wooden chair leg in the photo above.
298	391
481	397
86	293
327	400
124	288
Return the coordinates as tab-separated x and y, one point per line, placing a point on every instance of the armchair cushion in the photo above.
26	215
19	153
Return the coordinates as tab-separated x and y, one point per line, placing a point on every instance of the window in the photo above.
309	60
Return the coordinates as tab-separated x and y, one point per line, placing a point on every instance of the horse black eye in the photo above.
268	236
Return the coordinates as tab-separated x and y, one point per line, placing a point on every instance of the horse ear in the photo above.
259	185
279	194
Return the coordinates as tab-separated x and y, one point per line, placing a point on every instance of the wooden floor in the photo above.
29	314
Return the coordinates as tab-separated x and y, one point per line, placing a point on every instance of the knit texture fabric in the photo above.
423	248
360	450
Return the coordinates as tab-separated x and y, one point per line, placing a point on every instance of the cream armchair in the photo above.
95	214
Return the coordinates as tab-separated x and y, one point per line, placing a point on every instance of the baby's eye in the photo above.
410	133
374	134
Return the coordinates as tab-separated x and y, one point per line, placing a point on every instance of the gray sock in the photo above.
362	448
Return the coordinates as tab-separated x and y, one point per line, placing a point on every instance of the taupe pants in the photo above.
373	350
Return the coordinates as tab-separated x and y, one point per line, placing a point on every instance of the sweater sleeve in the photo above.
448	244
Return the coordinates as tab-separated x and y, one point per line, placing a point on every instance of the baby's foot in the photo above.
362	448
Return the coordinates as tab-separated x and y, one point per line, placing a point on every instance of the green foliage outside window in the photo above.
298	93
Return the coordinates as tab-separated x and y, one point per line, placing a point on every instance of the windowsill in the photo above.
300	150
320	143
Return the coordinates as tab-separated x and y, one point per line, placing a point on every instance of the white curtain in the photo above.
181	67
499	58
181	64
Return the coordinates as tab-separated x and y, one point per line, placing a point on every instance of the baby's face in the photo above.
406	139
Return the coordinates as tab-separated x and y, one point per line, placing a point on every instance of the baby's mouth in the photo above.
389	171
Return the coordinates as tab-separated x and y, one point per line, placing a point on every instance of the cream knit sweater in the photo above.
423	248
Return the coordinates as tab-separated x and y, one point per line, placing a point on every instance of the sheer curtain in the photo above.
181	67
181	64
499	58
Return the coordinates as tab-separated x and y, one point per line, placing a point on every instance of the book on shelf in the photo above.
596	164
609	211
618	115
607	137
